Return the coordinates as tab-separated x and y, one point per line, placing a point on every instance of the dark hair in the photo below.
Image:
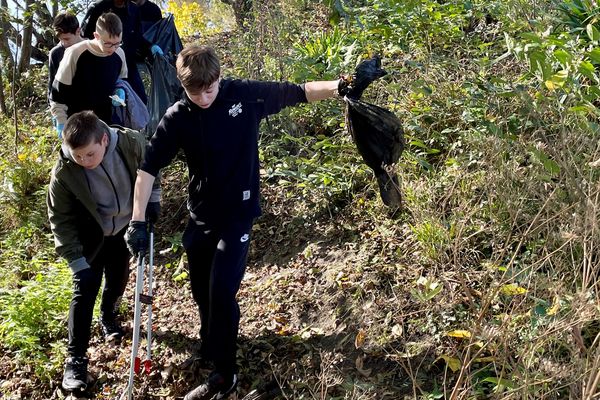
198	67
83	128
110	24
65	22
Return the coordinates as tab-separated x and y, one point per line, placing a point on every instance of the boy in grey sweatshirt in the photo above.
89	206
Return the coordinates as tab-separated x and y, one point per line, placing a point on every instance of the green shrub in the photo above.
33	319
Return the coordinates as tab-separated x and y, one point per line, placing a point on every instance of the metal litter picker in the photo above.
136	364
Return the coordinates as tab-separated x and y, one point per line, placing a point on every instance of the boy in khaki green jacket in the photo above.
90	199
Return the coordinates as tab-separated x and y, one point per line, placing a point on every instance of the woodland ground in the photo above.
299	324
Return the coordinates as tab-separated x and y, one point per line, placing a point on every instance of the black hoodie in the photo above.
221	146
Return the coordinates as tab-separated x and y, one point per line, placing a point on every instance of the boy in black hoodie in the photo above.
216	125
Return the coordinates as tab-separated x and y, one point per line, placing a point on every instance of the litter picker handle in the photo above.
148	361
137	316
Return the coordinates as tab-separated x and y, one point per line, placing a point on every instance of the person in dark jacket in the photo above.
67	31
216	125
149	13
90	199
133	40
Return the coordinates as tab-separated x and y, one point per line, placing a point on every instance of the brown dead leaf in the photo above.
360	366
359	340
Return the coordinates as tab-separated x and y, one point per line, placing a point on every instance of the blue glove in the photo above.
59	129
155	49
120	93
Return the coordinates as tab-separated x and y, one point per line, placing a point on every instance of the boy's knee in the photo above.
85	281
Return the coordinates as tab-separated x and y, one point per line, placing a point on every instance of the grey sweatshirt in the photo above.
110	185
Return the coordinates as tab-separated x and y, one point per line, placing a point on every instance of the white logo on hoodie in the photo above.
235	110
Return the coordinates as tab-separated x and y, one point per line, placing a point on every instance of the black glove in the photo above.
153	211
364	74
136	237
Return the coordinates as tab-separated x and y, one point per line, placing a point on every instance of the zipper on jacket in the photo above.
116	197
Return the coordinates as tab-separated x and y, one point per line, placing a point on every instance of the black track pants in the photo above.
217	262
113	262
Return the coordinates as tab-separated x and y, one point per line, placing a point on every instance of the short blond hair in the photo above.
198	67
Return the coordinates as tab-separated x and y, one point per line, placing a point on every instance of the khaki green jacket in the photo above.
74	221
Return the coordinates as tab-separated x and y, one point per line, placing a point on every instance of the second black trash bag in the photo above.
165	90
164	34
378	135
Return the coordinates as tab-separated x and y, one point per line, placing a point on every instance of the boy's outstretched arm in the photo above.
320	90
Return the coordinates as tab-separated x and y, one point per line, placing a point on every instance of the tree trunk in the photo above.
241	10
54	10
25	57
3	108
5	29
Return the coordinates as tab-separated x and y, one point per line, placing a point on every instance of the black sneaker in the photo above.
112	330
215	388
75	377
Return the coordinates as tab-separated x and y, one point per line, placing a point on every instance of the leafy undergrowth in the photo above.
352	302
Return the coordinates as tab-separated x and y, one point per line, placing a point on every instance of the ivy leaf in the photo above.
563	57
459	333
538	63
512	289
592	32
594	55
531	37
500	382
451	362
549	164
587	69
557	80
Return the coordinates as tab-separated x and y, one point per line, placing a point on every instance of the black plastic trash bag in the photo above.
164	91
377	132
164	34
165	88
378	135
